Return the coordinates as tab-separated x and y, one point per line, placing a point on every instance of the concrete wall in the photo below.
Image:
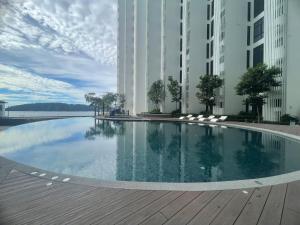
2	110
293	58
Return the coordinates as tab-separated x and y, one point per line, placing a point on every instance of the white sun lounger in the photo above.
208	118
200	116
221	119
186	117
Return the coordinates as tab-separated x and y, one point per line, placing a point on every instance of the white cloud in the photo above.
69	41
36	88
68	26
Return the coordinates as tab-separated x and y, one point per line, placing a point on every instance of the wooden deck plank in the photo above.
101	211
188	212
231	212
291	210
207	214
151	209
171	209
252	211
51	209
25	199
272	211
81	207
175	206
120	214
156	219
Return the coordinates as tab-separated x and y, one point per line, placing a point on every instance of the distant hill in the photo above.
50	107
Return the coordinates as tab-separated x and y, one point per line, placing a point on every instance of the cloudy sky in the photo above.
57	50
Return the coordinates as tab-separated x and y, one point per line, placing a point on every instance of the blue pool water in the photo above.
149	151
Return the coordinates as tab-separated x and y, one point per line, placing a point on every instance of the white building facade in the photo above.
2	108
188	38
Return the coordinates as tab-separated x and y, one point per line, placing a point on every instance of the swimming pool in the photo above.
149	151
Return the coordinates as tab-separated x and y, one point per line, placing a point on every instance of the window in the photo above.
208	12
212	67
181	12
248	35
259	6
207	31
258	55
180	28
249	11
180	60
212	8
258	32
248	59
211	48
221	105
212	28
180	44
207	50
180	76
207	68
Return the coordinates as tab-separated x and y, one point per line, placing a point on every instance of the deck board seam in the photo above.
263	208
139	198
284	203
149	203
161	208
223	208
246	203
189	221
200	193
6	176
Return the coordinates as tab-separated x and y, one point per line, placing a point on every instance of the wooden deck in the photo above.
26	199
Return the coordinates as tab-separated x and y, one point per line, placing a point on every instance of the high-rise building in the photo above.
188	38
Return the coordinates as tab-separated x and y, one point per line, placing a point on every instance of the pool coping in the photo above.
198	186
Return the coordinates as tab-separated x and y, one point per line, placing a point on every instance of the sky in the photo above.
57	50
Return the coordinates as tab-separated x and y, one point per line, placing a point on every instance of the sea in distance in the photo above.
30	114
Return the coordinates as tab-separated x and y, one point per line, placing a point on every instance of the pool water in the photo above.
149	151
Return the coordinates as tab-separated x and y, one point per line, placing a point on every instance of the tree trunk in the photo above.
211	109
103	108
258	114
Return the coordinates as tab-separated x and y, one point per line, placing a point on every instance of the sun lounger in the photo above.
200	116
192	118
221	119
186	117
208	118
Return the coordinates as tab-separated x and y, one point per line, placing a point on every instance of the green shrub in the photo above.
155	111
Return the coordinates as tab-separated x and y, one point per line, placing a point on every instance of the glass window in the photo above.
208	12
248	35
207	50
258	32
207	68
212	8
207	31
212	28
249	11
258	55
212	67
259	6
211	48
248	59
